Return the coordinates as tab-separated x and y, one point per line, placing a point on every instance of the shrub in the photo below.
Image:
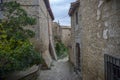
16	51
61	50
20	58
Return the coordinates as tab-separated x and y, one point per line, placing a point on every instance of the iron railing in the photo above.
112	68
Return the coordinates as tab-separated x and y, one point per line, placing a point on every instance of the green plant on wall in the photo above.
16	51
61	49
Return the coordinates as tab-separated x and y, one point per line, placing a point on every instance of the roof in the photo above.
73	7
47	3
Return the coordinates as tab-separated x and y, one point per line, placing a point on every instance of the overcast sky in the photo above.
60	10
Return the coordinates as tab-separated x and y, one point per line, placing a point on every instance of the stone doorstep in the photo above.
21	74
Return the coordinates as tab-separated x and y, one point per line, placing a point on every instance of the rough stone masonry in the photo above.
101	35
99	28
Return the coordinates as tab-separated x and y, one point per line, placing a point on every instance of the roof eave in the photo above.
49	8
73	7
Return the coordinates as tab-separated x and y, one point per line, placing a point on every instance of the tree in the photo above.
16	51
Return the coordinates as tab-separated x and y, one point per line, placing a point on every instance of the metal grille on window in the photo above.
112	68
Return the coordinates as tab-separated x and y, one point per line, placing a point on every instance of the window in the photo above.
76	17
112	68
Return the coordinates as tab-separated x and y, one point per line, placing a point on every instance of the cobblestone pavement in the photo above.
62	70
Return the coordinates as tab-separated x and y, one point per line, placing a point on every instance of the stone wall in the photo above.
101	35
75	34
62	33
66	35
52	46
28	74
71	55
56	31
98	34
44	32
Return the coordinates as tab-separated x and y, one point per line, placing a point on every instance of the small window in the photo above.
76	17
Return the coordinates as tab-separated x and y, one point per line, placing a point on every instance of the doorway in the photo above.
78	56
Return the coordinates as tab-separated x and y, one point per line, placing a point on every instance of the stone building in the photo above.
65	35
43	41
99	24
62	33
56	31
75	35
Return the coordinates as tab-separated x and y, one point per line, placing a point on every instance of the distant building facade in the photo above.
99	24
40	9
66	35
56	31
62	33
75	55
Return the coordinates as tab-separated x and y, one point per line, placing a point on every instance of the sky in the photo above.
60	10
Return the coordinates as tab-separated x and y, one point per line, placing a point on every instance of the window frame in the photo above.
76	17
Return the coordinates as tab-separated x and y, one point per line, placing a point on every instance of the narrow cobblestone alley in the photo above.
62	70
